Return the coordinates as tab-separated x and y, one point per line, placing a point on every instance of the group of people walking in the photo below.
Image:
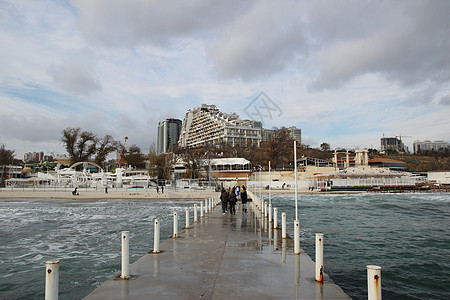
230	197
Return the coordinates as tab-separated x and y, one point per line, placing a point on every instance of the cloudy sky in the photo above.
345	72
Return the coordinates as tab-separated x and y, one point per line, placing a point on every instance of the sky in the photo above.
345	72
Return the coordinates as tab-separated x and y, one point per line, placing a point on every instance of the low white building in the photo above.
441	177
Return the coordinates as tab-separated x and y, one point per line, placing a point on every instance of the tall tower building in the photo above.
168	134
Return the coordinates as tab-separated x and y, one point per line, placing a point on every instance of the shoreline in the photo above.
95	195
167	195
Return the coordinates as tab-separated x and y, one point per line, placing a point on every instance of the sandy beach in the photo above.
147	195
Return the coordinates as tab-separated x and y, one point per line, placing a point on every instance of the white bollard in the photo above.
374	282
206	206
270	213
125	255
283	226
175	225
201	209
296	237
265	209
195	213
275	218
51	279
156	237
319	257
187	218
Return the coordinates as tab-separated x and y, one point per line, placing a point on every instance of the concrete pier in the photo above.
223	257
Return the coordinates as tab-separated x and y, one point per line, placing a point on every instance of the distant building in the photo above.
168	135
427	145
267	135
207	125
393	143
294	132
33	157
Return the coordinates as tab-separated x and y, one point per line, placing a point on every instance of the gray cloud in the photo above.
35	128
403	41
445	100
75	77
264	41
125	23
421	97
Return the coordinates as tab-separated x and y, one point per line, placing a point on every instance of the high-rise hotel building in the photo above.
168	134
207	125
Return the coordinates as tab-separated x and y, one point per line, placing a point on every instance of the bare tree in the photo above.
104	148
80	145
134	157
280	147
6	158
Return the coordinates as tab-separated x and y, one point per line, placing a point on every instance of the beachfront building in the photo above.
207	125
427	145
168	135
229	171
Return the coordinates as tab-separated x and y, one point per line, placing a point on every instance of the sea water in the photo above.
85	236
408	235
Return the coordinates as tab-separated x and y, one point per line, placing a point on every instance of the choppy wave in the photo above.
85	237
408	235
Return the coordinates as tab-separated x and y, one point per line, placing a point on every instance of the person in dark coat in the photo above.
224	199
233	200
244	199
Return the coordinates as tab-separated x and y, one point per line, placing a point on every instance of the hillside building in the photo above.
427	145
393	143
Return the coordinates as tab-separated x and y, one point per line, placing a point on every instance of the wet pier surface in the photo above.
223	257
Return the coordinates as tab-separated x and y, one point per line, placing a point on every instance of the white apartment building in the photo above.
429	145
207	125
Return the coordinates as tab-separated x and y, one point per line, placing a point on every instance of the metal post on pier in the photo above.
265	210
374	282
296	237
51	279
195	213
175	225
283	226
319	257
201	209
187	218
125	255
275	218
270	213
156	237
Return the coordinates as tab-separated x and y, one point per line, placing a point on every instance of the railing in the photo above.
260	207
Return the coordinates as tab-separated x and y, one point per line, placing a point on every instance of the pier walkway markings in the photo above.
223	257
